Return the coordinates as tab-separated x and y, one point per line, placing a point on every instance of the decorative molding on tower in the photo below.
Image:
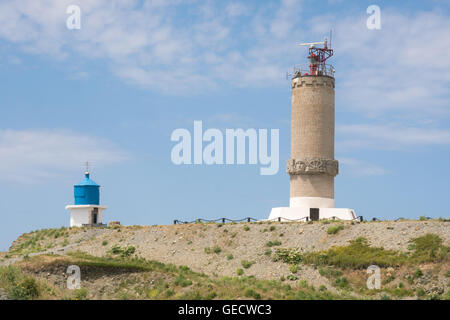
313	166
313	81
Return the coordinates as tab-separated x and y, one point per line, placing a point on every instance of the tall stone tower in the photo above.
312	166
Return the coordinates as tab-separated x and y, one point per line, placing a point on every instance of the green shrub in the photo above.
210	296
128	251
25	290
291	256
9	275
268	252
207	250
123	252
168	293
246	264
181	280
250	293
239	272
246	228
303	284
388	279
335	229
217	249
429	248
341	283
358	254
273	243
293	268
272	228
420	292
418	273
230	257
80	294
115	250
184	269
329	272
104	243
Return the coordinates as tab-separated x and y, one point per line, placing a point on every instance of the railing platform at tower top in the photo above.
322	70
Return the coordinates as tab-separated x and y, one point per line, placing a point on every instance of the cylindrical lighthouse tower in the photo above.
312	166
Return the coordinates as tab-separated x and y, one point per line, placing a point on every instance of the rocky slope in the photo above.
221	250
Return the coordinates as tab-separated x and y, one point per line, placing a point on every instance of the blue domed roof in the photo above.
87	192
87	181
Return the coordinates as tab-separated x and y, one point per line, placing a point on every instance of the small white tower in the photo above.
87	210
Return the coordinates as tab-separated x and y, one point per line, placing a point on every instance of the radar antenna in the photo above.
318	56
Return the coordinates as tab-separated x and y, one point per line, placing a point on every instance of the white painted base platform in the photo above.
301	213
81	215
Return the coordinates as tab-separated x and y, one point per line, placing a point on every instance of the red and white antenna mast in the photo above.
318	56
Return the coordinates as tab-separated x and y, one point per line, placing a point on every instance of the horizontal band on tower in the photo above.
312	81
313	166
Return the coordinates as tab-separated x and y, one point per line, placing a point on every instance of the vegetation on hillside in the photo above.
420	271
359	254
149	280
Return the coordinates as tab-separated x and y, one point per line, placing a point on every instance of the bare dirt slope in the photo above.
186	244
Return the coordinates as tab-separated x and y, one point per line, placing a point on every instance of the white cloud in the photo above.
355	167
236	9
403	67
198	46
31	156
389	136
161	42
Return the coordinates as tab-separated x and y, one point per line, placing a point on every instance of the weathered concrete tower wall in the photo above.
312	167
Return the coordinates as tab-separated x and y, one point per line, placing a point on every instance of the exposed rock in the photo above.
3	295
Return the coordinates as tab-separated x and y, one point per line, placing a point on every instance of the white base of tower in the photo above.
305	208
311	202
85	215
300	214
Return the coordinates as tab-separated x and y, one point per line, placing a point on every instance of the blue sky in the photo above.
113	92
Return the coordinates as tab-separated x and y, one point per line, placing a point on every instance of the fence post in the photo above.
279	219
174	221
223	220
248	219
307	219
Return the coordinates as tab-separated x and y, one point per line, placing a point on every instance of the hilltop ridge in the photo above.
255	250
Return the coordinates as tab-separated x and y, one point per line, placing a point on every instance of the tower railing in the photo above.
320	70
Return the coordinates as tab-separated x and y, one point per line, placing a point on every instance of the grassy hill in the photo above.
261	260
